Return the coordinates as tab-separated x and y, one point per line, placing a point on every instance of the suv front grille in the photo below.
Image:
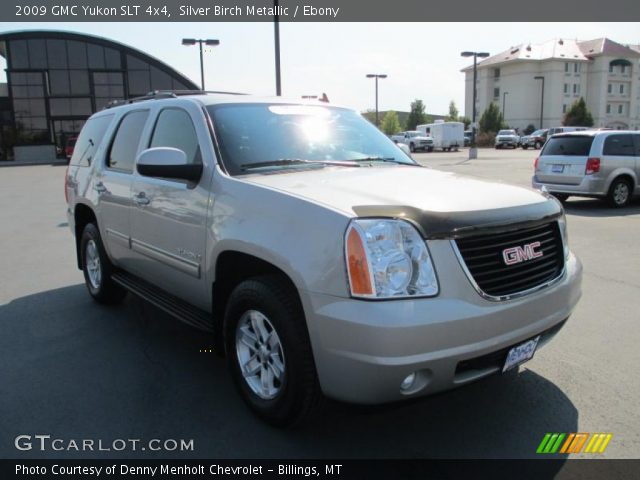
484	258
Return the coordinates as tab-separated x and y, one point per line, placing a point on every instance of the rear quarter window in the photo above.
578	146
89	140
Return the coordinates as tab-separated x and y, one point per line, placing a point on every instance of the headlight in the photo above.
562	224
387	259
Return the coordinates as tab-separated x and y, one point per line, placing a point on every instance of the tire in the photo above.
412	148
524	147
562	197
537	145
430	149
620	193
270	302
97	268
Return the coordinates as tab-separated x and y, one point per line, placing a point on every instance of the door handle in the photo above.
99	187
141	198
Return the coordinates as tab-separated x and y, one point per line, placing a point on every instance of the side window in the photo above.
619	145
89	140
122	154
636	141
174	128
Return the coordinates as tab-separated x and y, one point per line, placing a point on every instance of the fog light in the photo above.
407	383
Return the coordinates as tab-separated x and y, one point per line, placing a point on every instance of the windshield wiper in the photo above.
297	161
382	159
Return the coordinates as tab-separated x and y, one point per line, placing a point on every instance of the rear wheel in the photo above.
524	147
269	352
619	193
97	268
562	197
412	147
537	145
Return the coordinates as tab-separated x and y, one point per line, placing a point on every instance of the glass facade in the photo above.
56	80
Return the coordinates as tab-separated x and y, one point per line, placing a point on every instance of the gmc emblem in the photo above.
514	255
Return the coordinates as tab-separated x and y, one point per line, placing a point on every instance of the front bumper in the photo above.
364	349
589	186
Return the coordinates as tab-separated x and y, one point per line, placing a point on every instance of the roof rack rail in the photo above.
161	94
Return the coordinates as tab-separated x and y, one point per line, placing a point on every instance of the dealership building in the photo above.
605	73
56	80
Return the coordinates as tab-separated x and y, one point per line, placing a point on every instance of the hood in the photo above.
398	191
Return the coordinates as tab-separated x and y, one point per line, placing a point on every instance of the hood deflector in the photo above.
453	225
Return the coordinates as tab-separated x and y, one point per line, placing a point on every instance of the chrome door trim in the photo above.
185	266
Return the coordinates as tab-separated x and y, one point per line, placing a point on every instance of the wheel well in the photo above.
231	269
82	216
628	178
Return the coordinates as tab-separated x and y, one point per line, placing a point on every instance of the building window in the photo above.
621	88
576	88
620	109
610	68
496	73
566	88
609	88
608	108
564	108
576	67
623	69
566	67
496	92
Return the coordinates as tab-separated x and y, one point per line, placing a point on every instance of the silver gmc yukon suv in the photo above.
323	258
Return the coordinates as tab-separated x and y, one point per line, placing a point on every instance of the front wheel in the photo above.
537	145
97	268
269	351
562	197
412	148
619	193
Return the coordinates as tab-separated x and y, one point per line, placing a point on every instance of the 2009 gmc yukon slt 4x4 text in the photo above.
326	261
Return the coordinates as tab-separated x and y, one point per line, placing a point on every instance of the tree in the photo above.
453	112
466	121
578	115
390	123
417	115
530	129
491	119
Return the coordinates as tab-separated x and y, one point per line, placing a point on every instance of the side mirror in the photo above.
404	148
167	162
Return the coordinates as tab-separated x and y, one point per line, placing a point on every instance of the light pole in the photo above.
276	41
376	76
504	105
541	99
209	43
473	151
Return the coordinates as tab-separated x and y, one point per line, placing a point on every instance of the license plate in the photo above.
557	168
520	354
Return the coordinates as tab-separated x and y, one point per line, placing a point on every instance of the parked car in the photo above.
554	130
467	137
592	163
415	140
446	135
68	149
325	261
507	138
535	140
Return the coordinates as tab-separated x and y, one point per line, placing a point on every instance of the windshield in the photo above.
538	133
414	134
263	133
507	132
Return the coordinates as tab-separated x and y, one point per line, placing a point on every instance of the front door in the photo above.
169	216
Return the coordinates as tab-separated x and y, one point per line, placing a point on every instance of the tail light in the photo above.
593	166
535	164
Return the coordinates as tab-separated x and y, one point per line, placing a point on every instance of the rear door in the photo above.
169	216
618	151
563	159
112	185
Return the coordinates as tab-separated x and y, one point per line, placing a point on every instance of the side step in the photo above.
165	301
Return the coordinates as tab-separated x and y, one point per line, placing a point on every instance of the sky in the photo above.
422	60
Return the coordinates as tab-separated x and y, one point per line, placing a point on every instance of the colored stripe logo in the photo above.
568	443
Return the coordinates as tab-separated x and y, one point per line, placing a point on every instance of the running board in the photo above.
165	301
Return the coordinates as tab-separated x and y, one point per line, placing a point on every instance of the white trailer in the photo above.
446	135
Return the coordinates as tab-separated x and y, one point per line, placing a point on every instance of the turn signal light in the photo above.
593	166
535	164
359	275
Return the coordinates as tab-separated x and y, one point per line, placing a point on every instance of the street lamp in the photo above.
376	76
209	43
473	152
504	105
541	99
276	46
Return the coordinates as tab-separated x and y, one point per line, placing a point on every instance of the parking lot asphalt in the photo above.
74	369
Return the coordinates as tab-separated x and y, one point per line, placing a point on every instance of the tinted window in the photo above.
125	144
618	145
568	145
19	54
89	140
37	53
174	128
57	53
636	139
